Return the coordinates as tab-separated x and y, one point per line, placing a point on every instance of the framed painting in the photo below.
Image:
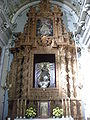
44	27
44	109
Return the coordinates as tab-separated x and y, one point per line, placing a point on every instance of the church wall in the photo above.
3	87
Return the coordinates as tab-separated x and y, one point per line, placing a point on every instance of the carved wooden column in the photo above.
74	108
30	74
60	26
63	106
58	74
66	107
33	22
31	59
55	22
69	104
24	107
69	69
12	78
19	79
20	107
63	74
74	73
25	76
17	108
79	109
55	26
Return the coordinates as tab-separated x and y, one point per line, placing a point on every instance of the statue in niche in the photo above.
44	78
44	75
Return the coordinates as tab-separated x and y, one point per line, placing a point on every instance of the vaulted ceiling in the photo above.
11	6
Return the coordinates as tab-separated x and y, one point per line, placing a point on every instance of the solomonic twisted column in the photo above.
74	69
63	74
69	70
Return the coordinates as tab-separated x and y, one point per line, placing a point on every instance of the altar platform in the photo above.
70	118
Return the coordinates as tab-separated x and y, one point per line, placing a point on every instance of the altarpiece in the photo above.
44	68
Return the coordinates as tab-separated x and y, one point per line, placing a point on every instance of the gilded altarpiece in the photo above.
44	67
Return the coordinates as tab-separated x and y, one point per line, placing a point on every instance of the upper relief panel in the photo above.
44	19
44	26
69	16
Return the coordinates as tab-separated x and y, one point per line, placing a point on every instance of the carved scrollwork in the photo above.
44	41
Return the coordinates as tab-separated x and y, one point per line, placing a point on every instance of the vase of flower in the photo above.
57	112
30	113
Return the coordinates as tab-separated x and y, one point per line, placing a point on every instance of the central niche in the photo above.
44	70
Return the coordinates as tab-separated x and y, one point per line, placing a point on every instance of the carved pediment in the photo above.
45	6
44	27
